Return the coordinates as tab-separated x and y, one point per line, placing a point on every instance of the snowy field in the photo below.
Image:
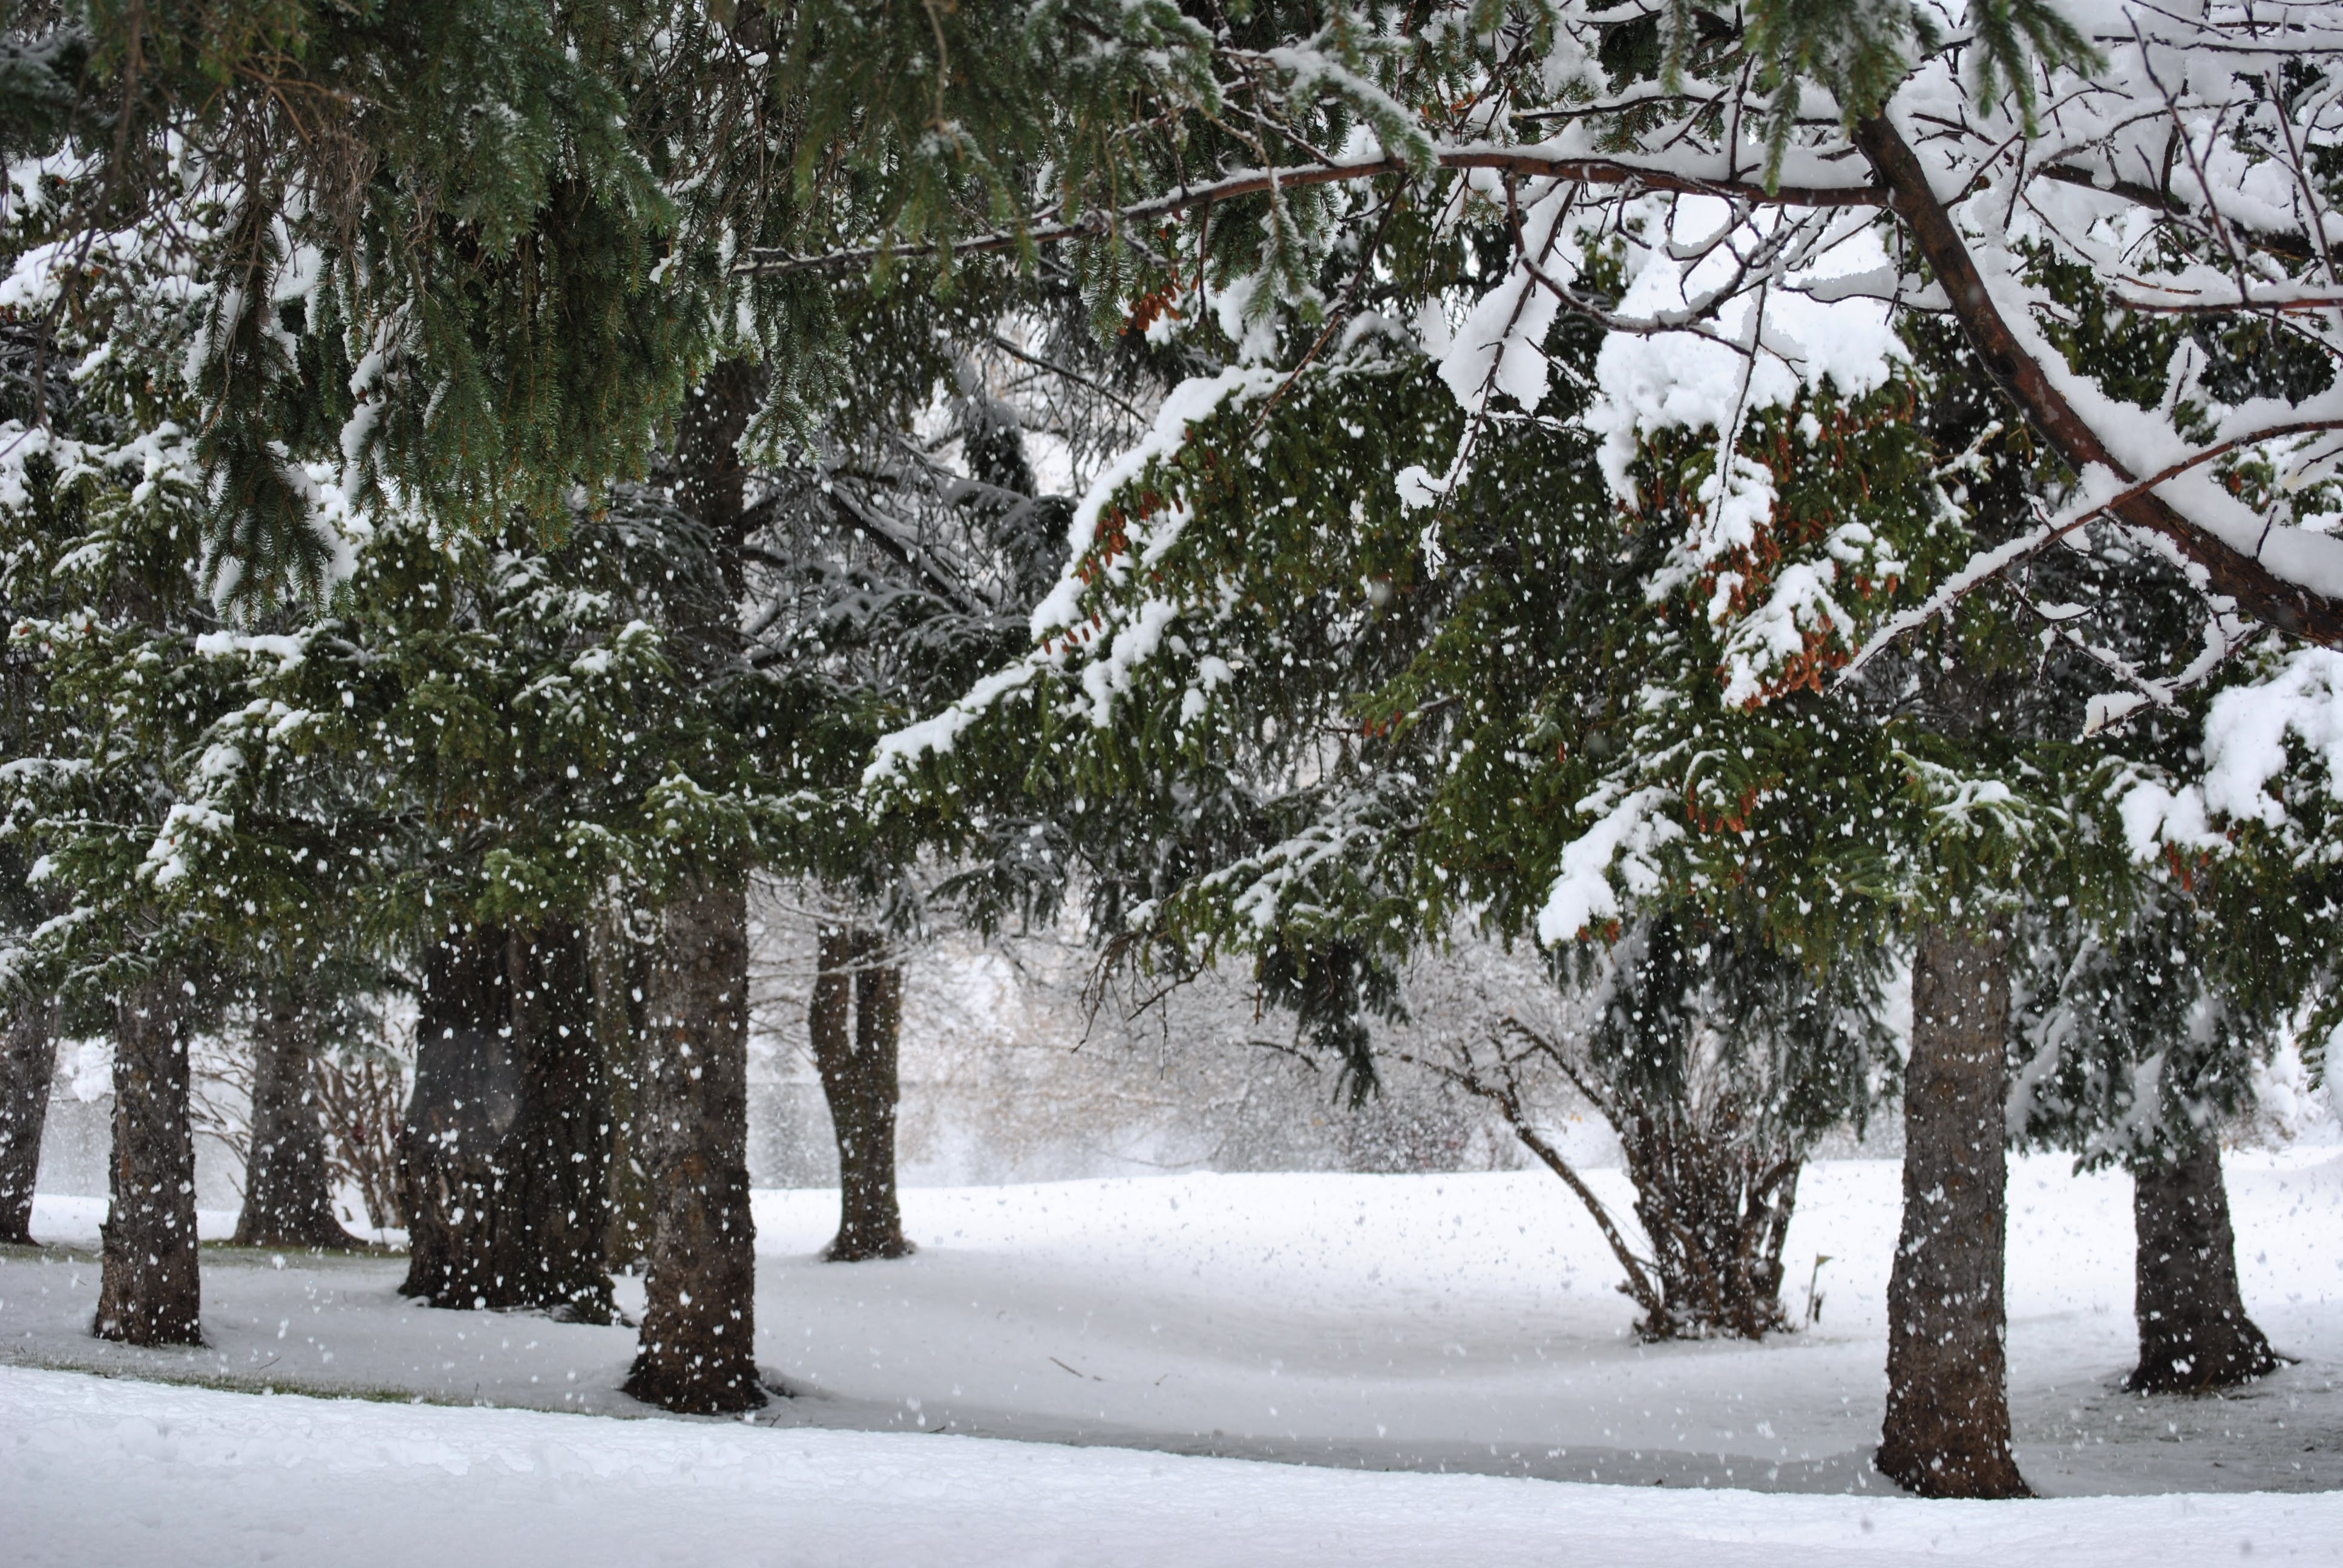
1425	1323
128	1475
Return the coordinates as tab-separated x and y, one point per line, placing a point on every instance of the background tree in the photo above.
289	1188
894	559
1718	1065
2140	1057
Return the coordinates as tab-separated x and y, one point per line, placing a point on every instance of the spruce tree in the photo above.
421	238
1277	713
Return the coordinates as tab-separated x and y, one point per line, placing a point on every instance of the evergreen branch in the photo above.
2289	606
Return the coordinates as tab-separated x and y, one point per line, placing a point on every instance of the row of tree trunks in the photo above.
502	1147
1947	1432
29	1061
503	1113
148	1289
288	1200
856	1021
697	1351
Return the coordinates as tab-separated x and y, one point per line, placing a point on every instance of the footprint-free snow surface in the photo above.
127	1475
1418	1323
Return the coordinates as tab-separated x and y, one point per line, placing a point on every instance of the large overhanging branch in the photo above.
1525	163
2230	571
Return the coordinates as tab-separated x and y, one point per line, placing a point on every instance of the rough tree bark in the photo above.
28	1060
502	1145
619	1031
148	1291
697	1352
2194	1334
1946	1434
288	1199
856	1020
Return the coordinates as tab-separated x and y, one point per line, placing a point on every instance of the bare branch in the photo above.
1048	230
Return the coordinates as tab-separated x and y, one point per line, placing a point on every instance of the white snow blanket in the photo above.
1151	1335
130	1474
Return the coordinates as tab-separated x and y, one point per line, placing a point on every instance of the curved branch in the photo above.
1639	1286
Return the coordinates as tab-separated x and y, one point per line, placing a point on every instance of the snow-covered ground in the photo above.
1450	1322
127	1475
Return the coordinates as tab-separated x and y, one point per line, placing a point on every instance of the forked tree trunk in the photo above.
288	1199
1946	1434
148	1291
501	1149
697	1351
2194	1334
856	1020
1715	1215
29	1061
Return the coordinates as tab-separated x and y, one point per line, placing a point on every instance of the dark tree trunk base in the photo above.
149	1291
857	1024
28	1060
287	1191
2194	1334
501	1149
1947	1432
697	1352
466	1092
618	978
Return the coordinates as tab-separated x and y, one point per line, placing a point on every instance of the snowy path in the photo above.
1424	1322
127	1474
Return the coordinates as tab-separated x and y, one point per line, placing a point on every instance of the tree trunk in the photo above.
466	1096
618	1030
2194	1334
856	1020
149	1292
1947	1429
698	1351
29	1061
555	1208
289	1198
504	1136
